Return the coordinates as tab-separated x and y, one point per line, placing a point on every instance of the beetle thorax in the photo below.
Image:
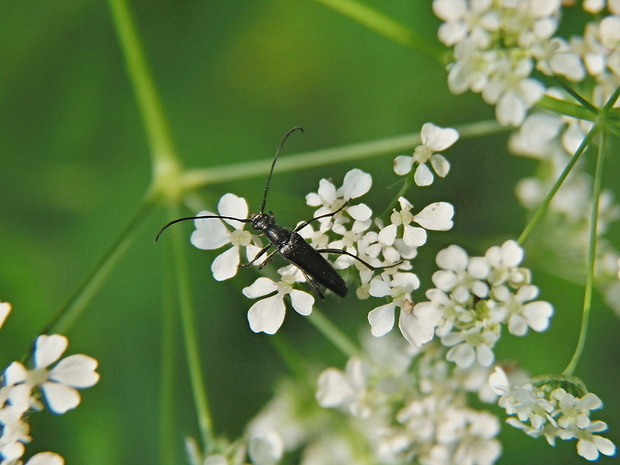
262	221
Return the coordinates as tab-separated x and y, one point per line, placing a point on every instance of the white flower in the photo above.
346	390
266	449
503	261
512	91
399	288
434	139
460	275
329	199
520	312
267	315
211	233
590	446
412	236
544	411
473	18
15	399
59	383
574	410
14	436
471	345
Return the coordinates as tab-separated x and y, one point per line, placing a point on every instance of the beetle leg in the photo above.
258	255
313	284
267	259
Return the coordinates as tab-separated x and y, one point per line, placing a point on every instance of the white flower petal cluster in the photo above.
57	380
475	296
212	233
434	139
409	414
545	408
498	44
267	315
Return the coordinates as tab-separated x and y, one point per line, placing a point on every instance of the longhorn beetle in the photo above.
294	248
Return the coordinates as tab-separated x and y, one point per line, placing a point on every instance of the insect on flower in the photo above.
317	271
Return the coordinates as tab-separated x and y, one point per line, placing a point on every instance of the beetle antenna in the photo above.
273	164
243	220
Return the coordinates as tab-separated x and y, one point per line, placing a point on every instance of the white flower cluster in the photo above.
498	45
394	404
339	225
545	408
21	389
474	297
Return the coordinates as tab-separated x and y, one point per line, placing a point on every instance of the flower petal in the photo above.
49	349
381	319
333	388
267	315
46	458
5	309
262	286
440	165
210	233
231	205
437	216
302	302
60	398
403	164
356	183
423	176
438	138
225	265
15	373
415	330
76	370
360	212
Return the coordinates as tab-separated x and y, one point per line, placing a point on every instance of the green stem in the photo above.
587	300
542	209
197	178
333	333
166	169
387	27
189	329
564	107
577	96
169	323
95	279
150	107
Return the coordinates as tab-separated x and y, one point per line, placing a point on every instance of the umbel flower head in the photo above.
393	403
554	408
474	297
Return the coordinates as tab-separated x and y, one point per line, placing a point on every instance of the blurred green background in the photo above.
233	76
